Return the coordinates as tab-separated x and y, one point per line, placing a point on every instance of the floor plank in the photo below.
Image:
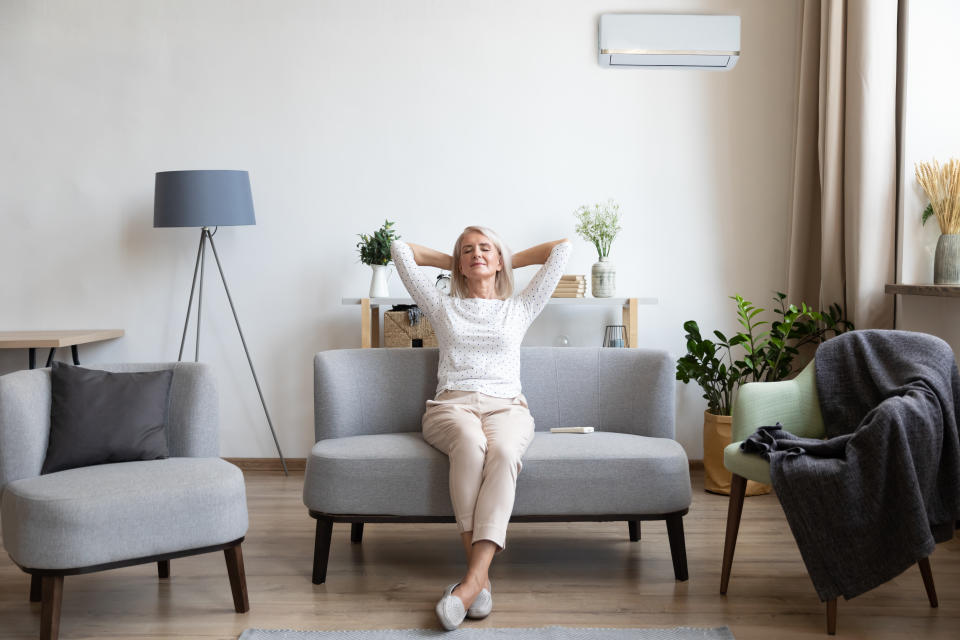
578	574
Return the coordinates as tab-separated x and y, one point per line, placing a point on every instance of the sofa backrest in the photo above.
373	391
192	421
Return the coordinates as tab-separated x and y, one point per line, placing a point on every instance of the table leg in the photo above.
76	355
365	342
630	322
53	350
32	357
369	324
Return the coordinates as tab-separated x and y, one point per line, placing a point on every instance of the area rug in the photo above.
541	633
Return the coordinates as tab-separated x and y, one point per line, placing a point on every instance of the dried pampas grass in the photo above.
942	186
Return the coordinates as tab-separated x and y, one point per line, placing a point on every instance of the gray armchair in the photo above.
116	515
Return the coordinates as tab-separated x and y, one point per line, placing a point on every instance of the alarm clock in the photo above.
443	282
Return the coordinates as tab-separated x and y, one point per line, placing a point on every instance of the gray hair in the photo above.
503	284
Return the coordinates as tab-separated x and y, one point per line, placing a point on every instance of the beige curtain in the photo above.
843	224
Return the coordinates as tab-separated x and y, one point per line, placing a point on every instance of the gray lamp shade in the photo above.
202	199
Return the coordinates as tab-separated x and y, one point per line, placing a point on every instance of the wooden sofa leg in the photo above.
238	578
634	526
321	549
163	569
52	587
678	547
36	589
832	617
924	564
356	532
738	490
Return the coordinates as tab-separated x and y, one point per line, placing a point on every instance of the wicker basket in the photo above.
397	331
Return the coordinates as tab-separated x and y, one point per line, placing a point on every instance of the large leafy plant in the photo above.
375	249
760	352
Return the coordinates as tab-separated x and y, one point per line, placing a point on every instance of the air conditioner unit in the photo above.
669	41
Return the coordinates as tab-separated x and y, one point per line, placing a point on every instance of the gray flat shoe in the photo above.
450	609
482	606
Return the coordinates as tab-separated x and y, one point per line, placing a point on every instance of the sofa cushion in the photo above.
100	416
563	474
95	515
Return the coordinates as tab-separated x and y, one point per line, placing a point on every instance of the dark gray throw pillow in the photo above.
98	417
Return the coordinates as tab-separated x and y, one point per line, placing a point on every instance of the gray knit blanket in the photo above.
884	486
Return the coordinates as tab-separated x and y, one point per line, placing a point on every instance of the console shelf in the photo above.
370	313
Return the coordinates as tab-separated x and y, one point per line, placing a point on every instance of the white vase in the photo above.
604	279
378	283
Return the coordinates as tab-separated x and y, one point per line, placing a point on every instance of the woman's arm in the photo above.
535	255
426	257
419	286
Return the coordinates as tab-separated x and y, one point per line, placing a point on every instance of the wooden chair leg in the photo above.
36	589
163	569
356	532
321	549
52	598
678	547
238	578
832	617
738	490
924	564
634	526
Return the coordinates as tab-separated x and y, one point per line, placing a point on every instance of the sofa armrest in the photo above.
793	403
24	423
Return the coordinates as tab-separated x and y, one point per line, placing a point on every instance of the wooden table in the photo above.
370	313
53	340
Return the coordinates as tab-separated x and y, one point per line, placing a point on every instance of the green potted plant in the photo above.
760	352
374	250
600	226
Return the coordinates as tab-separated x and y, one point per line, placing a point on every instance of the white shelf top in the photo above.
596	302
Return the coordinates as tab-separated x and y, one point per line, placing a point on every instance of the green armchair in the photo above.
796	406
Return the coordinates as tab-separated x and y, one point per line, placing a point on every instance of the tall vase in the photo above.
603	282
946	261
378	283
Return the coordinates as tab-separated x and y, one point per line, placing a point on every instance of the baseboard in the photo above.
299	464
268	464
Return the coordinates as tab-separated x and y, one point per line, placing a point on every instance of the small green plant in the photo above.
762	355
375	249
599	225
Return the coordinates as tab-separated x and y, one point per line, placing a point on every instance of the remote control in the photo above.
571	430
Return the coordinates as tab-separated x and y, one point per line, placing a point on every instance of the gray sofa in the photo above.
370	463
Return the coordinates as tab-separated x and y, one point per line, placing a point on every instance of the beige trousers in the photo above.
485	438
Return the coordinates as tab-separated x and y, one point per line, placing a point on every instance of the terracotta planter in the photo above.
717	432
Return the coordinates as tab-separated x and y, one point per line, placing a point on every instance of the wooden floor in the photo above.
573	574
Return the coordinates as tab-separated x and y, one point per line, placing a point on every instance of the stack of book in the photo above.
571	287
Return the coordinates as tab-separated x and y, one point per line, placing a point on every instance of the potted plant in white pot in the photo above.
942	186
375	251
600	226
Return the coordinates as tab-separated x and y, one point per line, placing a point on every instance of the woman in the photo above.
479	417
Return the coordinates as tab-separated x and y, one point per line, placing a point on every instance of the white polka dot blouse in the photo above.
479	339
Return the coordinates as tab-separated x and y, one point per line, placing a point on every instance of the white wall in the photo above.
433	114
931	129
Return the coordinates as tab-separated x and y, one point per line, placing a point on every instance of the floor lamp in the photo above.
208	199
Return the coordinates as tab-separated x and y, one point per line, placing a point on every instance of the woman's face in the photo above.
479	258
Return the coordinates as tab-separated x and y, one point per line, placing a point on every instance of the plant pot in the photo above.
603	282
717	432
378	283
946	261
